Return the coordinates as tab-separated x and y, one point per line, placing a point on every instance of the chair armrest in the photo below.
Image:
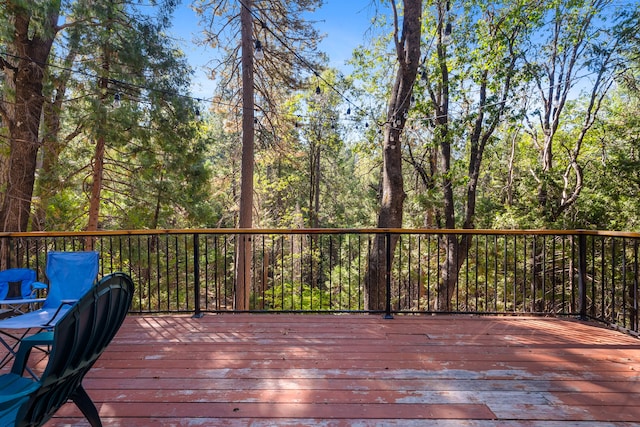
35	287
55	315
41	338
39	285
26	344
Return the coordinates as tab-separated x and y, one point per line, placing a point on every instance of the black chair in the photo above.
76	342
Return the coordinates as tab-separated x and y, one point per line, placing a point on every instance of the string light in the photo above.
297	55
258	51
259	54
447	34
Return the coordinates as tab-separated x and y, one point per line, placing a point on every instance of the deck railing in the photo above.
576	273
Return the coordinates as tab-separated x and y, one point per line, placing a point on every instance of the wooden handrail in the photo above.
538	232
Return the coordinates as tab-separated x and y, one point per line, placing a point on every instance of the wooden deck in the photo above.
356	370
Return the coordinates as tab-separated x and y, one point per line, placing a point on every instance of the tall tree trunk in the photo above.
488	116
156	212
455	254
97	171
314	276
314	197
48	184
24	69
393	195
243	268
509	186
96	184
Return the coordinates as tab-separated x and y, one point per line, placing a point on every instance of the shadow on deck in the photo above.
356	370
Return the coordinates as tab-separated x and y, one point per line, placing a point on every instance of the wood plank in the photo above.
357	370
260	410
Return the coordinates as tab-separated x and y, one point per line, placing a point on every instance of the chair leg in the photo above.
24	350
85	404
11	349
20	361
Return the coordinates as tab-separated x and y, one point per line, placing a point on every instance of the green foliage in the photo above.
311	178
316	166
295	297
155	172
612	188
165	169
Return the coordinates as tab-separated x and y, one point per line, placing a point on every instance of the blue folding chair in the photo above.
71	275
18	288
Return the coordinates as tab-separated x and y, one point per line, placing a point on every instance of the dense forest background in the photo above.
523	114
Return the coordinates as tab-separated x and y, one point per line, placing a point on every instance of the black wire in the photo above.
300	58
117	82
124	84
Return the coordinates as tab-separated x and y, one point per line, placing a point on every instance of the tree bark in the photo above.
24	69
393	195
48	183
243	268
488	116
97	172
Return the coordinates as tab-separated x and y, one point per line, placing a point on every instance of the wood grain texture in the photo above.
357	370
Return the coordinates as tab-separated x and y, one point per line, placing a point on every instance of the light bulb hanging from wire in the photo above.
258	51
447	34
116	100
197	111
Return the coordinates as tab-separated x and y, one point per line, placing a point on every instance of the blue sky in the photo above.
343	22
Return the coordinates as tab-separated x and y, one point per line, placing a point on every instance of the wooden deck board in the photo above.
356	370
